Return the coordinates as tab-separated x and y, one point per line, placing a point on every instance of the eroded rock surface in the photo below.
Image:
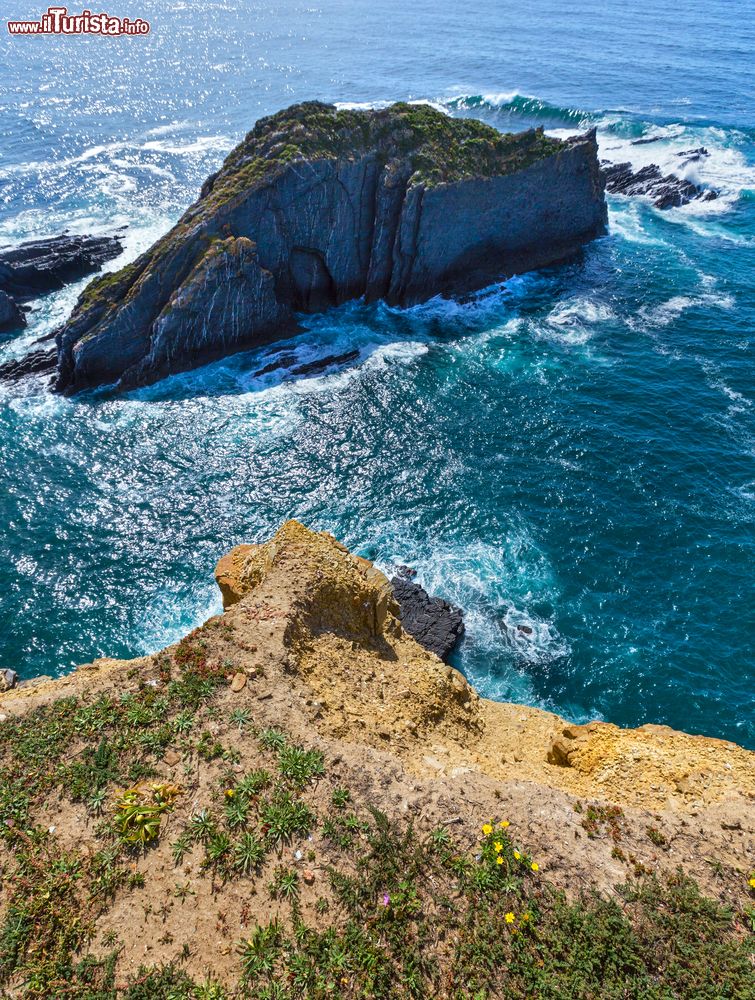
38	362
433	622
665	190
319	206
40	266
314	647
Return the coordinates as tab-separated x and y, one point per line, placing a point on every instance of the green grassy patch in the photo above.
394	914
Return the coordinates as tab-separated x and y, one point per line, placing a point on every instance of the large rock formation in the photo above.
315	627
432	622
318	206
11	315
303	733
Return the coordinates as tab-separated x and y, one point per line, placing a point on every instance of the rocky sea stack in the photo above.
318	206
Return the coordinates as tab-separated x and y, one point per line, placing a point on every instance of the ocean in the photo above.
572	450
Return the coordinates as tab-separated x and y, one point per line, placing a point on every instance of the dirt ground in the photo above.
313	647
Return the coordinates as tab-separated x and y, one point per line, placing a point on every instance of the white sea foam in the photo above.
573	311
201	144
665	313
381	105
725	169
170	129
501	98
532	639
496	584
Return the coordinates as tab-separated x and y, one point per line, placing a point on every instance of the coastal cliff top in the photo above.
298	800
440	149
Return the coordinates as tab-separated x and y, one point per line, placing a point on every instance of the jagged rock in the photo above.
693	155
232	576
35	363
433	622
8	679
319	206
283	362
42	266
11	316
666	190
313	367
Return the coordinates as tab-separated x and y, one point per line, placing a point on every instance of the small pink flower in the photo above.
386	899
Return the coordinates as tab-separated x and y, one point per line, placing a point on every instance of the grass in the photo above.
419	923
393	914
440	149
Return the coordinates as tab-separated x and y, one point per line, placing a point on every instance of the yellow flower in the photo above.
525	916
499	860
504	823
535	866
517	855
751	883
229	793
510	918
487	829
498	846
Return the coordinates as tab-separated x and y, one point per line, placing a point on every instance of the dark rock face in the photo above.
11	316
318	206
667	191
40	266
693	155
314	367
46	265
433	622
37	362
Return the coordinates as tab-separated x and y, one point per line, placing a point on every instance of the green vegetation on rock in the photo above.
397	914
441	149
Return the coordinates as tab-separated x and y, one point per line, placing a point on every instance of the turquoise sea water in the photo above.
573	450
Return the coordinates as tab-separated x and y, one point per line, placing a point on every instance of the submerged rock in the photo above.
321	364
433	622
666	190
40	266
319	206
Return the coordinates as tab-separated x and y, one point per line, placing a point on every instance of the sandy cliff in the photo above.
310	645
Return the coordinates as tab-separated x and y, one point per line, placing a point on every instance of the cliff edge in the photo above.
298	800
318	206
